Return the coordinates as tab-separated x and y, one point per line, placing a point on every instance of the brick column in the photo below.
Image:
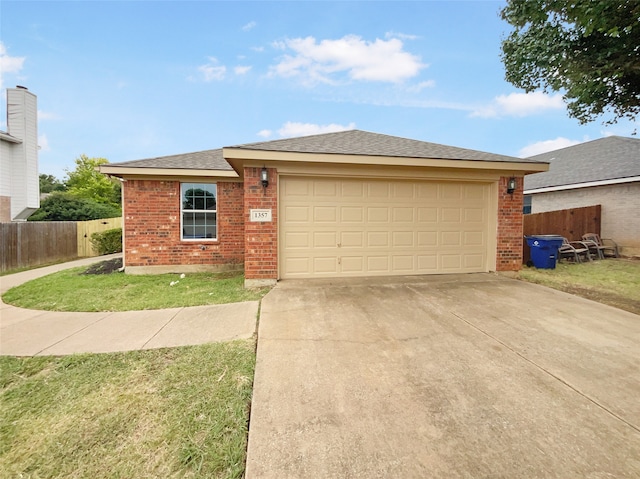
509	240
261	238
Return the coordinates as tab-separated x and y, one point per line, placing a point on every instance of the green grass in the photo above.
612	281
179	412
69	290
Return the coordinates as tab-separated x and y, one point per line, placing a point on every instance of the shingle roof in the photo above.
357	142
199	160
608	158
353	142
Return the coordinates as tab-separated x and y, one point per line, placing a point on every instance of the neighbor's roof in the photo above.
199	160
611	158
357	142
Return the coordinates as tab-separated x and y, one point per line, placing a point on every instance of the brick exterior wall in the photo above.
261	238
151	210
509	237
620	210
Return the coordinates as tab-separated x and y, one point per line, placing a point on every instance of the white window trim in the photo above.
182	210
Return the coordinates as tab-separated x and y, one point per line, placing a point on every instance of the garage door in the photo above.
354	227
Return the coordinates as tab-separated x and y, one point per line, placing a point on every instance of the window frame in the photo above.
184	186
527	203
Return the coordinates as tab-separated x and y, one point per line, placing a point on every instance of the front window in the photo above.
526	206
199	208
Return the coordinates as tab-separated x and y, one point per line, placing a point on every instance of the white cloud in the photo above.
43	143
212	71
9	64
321	62
401	36
292	129
249	26
265	133
545	146
421	86
241	70
520	104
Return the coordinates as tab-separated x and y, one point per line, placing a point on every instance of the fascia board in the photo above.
590	184
238	157
165	172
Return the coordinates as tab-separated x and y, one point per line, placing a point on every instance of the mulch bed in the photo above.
105	267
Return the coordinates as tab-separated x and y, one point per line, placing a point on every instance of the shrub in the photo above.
62	206
107	242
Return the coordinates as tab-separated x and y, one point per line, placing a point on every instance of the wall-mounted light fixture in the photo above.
264	176
511	185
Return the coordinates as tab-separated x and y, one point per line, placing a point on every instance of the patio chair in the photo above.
604	247
574	250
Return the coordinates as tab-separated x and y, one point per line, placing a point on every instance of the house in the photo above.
352	203
602	172
19	182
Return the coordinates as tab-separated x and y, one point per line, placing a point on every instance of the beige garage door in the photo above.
353	227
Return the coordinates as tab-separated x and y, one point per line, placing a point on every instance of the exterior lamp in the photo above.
511	185
264	176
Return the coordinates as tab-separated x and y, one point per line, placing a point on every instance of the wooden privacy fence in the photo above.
571	224
32	243
87	228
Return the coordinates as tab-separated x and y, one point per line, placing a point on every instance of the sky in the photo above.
127	80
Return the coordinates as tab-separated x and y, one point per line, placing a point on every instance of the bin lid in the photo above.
545	237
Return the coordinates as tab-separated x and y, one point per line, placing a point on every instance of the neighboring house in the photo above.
601	172
19	182
352	203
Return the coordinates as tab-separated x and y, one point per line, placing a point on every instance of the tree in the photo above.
587	49
87	182
49	183
64	206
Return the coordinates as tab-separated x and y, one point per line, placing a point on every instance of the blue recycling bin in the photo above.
544	250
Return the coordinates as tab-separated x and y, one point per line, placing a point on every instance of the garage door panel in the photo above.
402	214
450	215
450	238
401	239
474	215
427	215
352	239
353	265
325	214
325	265
427	238
333	227
378	190
298	239
378	239
403	263
325	239
297	214
451	262
378	264
352	214
473	238
378	214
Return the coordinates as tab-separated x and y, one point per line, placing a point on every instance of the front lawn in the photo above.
74	290
615	282
179	412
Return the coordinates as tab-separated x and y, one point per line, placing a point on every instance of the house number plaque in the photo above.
260	215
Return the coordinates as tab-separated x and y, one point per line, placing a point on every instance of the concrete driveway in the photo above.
465	376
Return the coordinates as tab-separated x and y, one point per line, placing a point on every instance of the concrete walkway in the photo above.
25	332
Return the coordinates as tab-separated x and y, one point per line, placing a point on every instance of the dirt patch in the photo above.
611	299
105	267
